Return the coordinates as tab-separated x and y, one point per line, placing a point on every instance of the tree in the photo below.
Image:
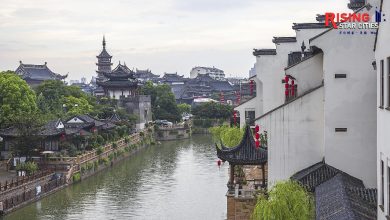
230	136
16	98
213	110
163	101
287	200
77	106
53	94
28	128
184	108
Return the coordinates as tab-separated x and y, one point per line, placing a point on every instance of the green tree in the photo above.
230	136
286	201
28	127
16	98
77	106
163	101
184	108
213	110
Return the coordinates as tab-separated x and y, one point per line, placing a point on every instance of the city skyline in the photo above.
148	34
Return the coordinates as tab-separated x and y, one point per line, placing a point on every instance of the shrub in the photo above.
96	164
286	200
99	150
89	166
30	167
103	160
76	177
230	136
114	145
141	134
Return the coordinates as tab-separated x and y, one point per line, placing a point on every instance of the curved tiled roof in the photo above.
337	194
245	153
37	72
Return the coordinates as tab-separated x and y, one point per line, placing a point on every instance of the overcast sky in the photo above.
162	35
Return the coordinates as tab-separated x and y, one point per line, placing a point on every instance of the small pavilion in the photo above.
245	153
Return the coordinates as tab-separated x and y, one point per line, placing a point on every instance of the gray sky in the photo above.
162	35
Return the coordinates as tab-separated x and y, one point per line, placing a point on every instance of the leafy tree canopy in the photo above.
184	108
287	200
213	110
163	101
16	98
53	94
230	136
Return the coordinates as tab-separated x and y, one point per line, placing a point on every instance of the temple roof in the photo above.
245	153
52	128
37	72
114	118
104	53
121	72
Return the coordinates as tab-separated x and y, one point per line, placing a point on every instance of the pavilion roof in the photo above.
245	153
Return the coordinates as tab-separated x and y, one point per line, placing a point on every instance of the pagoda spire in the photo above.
104	42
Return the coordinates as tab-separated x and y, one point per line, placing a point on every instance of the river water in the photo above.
174	180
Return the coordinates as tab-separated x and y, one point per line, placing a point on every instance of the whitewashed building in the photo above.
317	101
213	72
382	55
270	64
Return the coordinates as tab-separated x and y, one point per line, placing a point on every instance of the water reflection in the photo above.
175	180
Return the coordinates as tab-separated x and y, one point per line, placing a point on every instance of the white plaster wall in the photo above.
308	73
295	136
304	35
350	103
383	116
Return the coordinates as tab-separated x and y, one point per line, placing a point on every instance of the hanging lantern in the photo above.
292	82
257	144
292	90
257	136
286	78
219	162
257	128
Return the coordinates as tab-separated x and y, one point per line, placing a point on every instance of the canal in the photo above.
174	180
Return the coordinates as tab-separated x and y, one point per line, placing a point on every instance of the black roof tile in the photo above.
245	153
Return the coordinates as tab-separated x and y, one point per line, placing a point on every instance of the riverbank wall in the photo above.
173	133
72	170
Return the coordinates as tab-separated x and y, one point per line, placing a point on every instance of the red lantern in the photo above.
292	82
286	78
257	136
286	86
257	128
257	144
286	92
62	137
219	163
235	118
292	91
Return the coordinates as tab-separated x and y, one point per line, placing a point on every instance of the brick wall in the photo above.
239	209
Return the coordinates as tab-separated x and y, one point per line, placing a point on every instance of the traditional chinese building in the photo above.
36	74
248	173
120	82
54	133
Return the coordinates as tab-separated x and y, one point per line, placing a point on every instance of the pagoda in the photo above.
119	82
104	62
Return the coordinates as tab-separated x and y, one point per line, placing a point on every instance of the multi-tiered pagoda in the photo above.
104	62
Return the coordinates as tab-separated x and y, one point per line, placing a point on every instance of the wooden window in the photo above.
381	84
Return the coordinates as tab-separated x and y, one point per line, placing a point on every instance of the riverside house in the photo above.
317	105
55	133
